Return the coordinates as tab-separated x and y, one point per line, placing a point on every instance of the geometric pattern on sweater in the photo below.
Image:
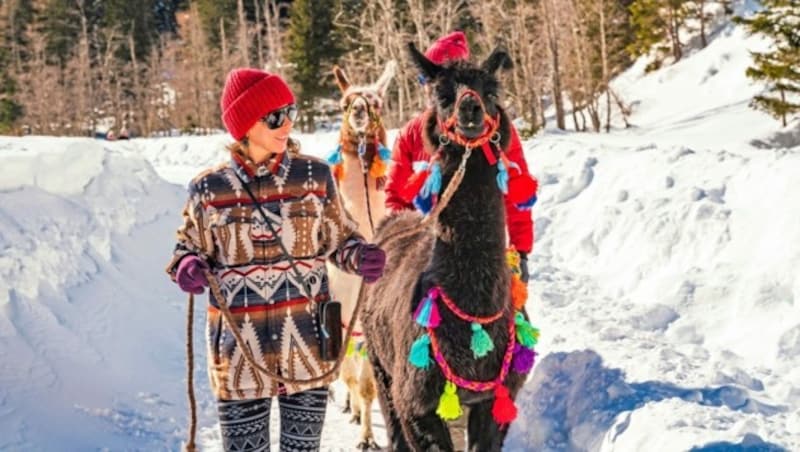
297	356
222	225
242	374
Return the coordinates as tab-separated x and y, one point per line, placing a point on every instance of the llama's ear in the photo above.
341	78
499	58
429	69
388	74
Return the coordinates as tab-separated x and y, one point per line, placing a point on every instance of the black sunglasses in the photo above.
276	118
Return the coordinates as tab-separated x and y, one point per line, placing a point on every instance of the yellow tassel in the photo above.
449	405
513	260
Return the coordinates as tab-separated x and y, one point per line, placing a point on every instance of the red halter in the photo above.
490	126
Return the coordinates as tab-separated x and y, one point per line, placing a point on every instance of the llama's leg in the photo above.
349	375
366	386
347	408
483	432
458	431
429	433
383	385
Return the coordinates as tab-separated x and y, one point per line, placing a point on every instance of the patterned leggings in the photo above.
245	423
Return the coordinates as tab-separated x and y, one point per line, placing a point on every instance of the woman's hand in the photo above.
371	261
190	276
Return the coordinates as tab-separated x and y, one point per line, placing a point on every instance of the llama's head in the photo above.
466	96
362	104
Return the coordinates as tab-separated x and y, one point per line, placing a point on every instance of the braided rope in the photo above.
463	315
474	385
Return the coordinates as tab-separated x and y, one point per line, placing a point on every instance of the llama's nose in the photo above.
470	110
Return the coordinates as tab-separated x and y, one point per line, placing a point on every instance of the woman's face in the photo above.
272	131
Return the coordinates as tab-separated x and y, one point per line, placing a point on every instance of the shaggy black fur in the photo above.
471	267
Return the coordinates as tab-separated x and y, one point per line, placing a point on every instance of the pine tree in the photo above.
312	52
657	24
779	67
217	15
136	19
15	16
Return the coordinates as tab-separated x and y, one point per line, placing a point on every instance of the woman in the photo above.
268	257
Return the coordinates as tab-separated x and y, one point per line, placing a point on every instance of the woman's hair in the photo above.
293	146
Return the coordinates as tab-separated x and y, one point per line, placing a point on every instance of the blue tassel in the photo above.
362	148
502	177
424	205
433	184
527	205
427	314
335	157
481	343
384	153
424	313
420	356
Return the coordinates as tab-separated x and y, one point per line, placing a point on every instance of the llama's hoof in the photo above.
369	444
356	419
346	409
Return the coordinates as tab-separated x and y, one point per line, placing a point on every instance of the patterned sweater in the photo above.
276	319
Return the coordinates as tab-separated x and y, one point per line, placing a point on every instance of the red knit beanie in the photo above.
250	94
452	47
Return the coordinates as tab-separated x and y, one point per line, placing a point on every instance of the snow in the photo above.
664	280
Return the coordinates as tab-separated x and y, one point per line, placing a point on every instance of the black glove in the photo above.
523	267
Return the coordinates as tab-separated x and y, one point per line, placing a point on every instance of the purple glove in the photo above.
371	261
190	276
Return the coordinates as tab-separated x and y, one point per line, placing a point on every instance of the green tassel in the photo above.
481	341
420	356
527	335
351	348
449	406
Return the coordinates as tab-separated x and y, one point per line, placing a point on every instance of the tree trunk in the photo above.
674	26
604	57
701	7
259	43
244	47
623	109
224	43
552	39
783	100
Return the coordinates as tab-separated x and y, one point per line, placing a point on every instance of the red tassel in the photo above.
504	411
521	188
414	185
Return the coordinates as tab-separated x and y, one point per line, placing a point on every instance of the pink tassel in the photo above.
435	319
427	312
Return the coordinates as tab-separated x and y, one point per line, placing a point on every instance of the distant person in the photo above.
268	256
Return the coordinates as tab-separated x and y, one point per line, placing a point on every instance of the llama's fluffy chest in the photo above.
355	196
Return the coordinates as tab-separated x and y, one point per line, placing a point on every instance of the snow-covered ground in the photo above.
665	280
